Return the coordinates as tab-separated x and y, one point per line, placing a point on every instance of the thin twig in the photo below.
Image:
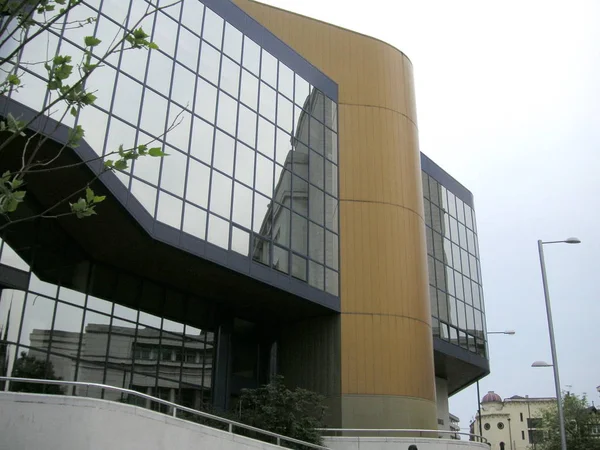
82	80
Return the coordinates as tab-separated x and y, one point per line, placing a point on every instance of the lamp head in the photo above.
572	240
541	364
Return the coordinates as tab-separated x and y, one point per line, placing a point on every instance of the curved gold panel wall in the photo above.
387	371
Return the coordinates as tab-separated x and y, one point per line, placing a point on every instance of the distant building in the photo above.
454	426
512	423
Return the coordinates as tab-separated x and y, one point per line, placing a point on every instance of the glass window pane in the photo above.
173	171
299	234
332	250
194	221
268	71
169	210
284	147
285	113
213	28
331	114
224	153
159	72
242	205
251	56
154	114
244	164
261	251
202	140
127	99
179	125
318	106
316	245
280	259
37	323
331	178
249	90
331	282
299	195
331	145
281	226
266	103
220	195
247	126
210	62
144	194
317	136
286	81
197	183
230	77
299	267
218	231
232	45
302	89
227	115
42	287
316	207
264	175
331	213
316	275
316	169
206	100
261	222
192	15
240	241
188	48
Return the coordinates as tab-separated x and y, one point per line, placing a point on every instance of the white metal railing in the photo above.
231	424
388	432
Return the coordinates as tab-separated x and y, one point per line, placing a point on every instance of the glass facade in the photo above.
55	332
252	160
455	287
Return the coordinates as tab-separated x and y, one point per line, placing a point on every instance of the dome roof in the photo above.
491	396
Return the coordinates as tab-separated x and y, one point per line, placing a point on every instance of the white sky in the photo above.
508	103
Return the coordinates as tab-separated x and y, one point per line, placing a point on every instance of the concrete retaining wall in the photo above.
52	422
382	443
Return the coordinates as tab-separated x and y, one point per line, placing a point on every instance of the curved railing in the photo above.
231	424
397	432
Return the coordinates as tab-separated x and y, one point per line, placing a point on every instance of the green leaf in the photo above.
73	111
120	164
89	195
75	135
99	198
91	41
19	195
156	152
153	46
108	164
13	79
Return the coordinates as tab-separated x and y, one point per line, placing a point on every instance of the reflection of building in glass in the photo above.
171	366
295	218
211	269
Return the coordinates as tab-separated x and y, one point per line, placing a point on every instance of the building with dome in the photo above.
512	423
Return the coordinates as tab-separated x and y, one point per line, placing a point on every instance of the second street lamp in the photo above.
561	418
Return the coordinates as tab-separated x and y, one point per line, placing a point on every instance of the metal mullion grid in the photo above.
160	332
139	119
107	352
167	118
114	92
236	143
204	342
192	119
254	193
216	116
273	165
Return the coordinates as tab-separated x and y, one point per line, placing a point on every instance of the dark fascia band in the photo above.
267	40
444	178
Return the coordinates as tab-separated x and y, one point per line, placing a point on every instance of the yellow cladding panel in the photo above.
385	332
374	363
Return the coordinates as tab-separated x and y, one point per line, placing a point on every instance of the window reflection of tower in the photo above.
295	200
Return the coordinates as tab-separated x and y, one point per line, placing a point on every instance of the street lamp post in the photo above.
561	418
509	332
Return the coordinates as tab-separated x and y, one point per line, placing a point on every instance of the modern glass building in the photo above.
283	233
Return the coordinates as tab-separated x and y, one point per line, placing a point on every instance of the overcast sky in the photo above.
508	97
